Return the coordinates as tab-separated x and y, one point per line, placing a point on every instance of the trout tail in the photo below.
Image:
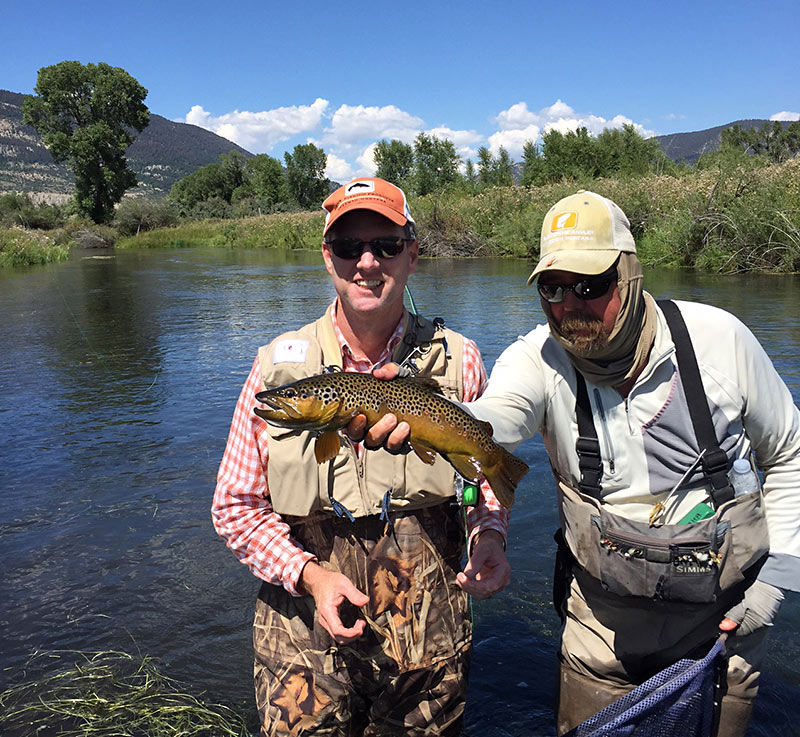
504	475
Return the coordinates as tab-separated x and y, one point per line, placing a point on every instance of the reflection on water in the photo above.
119	379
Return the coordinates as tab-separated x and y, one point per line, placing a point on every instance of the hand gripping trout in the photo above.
327	402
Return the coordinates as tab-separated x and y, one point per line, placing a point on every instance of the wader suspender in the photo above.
420	332
715	461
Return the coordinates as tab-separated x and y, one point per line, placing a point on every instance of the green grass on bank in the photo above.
745	218
286	231
109	694
19	247
739	216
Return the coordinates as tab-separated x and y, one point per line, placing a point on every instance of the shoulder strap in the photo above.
588	446
419	331
715	460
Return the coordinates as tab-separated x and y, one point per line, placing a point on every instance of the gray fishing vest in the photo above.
693	562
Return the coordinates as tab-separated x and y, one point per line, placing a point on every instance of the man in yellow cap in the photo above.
362	623
644	409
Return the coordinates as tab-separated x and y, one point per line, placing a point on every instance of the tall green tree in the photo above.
435	164
305	175
485	168
470	177
211	182
87	115
502	169
395	161
266	179
533	166
772	141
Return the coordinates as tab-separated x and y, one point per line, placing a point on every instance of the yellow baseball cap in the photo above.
583	233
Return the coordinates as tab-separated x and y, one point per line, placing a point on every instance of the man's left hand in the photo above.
757	609
487	572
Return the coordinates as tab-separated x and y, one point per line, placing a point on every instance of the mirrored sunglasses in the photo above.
590	288
352	248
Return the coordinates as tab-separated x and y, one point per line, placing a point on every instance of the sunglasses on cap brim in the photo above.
591	287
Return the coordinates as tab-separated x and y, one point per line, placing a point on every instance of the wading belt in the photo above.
715	461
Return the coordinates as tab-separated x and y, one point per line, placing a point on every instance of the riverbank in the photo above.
739	219
730	219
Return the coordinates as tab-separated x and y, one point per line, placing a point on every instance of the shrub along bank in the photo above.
741	217
738	215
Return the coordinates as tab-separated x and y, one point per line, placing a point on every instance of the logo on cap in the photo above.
564	220
359	187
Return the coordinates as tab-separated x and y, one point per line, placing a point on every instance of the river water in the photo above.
118	378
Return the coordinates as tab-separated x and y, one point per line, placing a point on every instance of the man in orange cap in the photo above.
362	623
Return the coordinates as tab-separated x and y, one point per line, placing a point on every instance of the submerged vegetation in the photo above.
109	694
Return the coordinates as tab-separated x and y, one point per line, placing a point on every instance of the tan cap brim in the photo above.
578	262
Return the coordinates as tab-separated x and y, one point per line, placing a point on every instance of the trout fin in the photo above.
466	465
424	452
504	475
327	445
486	427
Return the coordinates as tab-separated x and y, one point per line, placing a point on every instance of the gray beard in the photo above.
585	334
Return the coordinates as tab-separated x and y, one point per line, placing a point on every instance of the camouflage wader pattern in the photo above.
407	674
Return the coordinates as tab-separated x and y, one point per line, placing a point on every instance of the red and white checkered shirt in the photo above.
242	512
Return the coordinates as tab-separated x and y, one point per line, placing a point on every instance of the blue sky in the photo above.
344	75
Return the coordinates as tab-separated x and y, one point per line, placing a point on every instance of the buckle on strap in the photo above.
588	447
715	465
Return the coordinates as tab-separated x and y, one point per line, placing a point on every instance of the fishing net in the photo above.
677	702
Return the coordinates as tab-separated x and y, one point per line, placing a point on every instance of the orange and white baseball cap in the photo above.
583	233
368	193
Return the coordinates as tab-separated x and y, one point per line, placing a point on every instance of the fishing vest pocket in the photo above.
677	565
686	563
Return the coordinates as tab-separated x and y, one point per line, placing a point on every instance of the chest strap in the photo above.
715	461
419	335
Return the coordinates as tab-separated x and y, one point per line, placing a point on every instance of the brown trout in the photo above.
327	402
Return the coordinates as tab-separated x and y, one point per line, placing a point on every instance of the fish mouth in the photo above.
279	407
270	400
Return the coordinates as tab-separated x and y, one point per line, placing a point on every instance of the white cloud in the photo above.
785	116
465	142
518	116
518	124
513	140
674	116
338	170
351	125
366	161
259	132
459	138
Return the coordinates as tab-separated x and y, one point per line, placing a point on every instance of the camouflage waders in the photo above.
407	674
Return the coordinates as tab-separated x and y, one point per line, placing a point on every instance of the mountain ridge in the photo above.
163	153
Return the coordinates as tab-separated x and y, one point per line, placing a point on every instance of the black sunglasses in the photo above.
591	287
351	248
